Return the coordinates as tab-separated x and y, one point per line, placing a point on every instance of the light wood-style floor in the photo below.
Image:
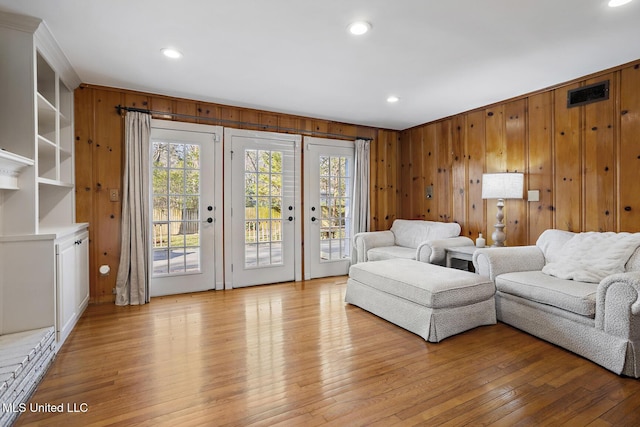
295	354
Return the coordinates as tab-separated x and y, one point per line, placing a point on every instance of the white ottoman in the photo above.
429	300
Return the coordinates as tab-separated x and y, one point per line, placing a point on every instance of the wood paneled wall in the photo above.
585	162
99	160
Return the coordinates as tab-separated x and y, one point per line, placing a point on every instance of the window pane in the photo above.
160	261
160	209
192	156
160	181
276	209
176	261
192	183
191	209
276	231
324	166
250	255
276	253
175	207
251	161
264	254
160	154
192	259
334	166
176	155
176	181
250	185
250	234
264	161
160	235
276	185
276	162
264	231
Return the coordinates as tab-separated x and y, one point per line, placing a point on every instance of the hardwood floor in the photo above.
295	354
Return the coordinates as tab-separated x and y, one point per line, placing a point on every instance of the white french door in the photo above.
328	166
186	168
261	203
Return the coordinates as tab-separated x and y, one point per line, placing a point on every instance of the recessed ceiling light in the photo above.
616	3
358	28
392	99
171	53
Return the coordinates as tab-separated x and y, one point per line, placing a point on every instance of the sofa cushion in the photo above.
390	252
410	233
571	295
425	284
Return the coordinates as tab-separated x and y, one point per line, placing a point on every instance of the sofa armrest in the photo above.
618	305
433	251
362	242
492	262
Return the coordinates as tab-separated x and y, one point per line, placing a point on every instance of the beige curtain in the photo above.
132	283
360	200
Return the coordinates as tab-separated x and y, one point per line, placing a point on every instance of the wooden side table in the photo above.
464	253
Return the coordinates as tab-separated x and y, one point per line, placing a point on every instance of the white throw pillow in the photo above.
592	256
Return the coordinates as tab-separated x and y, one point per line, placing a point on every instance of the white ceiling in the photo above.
295	56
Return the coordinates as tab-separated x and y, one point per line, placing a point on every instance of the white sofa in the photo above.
423	241
580	291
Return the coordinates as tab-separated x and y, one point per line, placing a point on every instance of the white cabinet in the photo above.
72	259
45	280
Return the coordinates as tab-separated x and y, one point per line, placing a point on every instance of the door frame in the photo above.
296	141
332	143
217	134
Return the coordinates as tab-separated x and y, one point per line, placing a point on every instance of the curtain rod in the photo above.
121	108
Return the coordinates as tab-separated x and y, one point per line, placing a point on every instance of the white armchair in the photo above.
423	241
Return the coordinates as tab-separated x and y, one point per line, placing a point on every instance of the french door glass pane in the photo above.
263	208
176	208
335	202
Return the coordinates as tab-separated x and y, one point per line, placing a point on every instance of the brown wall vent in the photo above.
588	94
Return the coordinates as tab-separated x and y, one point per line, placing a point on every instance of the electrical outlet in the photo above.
429	192
114	194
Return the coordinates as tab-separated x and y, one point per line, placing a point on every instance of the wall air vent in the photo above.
588	94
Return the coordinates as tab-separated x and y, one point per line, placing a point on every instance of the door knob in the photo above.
290	218
209	220
313	218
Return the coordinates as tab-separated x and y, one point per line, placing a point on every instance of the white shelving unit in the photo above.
43	252
36	124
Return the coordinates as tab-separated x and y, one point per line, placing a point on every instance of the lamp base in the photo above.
499	236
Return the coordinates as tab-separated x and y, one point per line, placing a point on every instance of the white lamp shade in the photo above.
502	185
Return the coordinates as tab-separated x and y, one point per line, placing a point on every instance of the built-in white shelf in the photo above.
10	167
55	183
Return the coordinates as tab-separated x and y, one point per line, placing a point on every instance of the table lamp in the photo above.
501	186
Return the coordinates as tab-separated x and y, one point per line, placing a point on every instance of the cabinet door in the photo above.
82	272
66	288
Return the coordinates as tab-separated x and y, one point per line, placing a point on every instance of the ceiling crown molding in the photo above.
24	23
